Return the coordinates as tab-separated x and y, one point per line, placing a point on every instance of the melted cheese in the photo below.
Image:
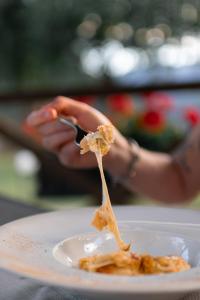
100	142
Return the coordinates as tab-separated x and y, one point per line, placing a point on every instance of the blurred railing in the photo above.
98	90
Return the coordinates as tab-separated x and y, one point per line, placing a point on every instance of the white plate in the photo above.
26	247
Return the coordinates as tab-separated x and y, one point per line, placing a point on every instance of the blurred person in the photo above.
168	178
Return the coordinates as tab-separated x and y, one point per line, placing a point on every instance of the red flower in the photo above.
121	103
152	121
192	115
158	101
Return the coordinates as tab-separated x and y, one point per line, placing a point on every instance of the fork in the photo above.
80	133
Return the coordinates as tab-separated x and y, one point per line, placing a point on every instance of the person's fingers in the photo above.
36	118
51	127
55	141
87	117
67	106
84	115
69	155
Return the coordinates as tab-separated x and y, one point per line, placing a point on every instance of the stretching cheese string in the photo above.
104	216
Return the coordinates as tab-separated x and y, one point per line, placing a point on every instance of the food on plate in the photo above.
127	263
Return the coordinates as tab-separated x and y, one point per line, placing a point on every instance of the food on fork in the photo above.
99	141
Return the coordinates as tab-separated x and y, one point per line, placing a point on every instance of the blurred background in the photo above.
137	61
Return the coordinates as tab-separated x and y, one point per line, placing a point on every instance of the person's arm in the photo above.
165	177
168	178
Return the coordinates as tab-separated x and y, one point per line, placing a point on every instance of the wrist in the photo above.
121	161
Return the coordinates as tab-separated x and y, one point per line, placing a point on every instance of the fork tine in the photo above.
67	122
70	124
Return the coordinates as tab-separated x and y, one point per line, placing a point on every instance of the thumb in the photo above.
84	115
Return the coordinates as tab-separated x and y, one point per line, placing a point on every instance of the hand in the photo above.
58	138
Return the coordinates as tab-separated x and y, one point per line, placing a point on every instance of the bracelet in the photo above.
131	172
